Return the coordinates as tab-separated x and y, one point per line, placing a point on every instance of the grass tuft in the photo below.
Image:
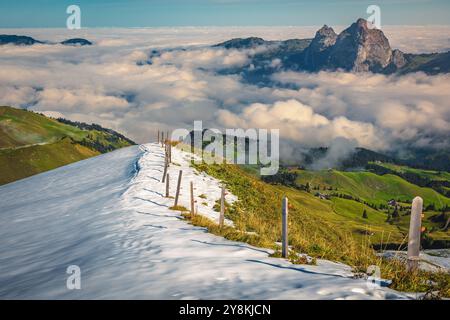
178	208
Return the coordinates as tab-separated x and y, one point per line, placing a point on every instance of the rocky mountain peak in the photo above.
325	37
316	55
325	31
362	23
360	48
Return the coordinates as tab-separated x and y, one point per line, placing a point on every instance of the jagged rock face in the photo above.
398	59
360	49
325	38
317	54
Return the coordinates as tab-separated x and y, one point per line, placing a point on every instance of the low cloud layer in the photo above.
139	81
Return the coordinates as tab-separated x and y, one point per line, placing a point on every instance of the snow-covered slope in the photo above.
108	216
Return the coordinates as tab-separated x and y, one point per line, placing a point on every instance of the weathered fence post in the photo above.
166	152
222	207
178	188
414	234
166	165
158	136
284	227
192	199
162	139
167	185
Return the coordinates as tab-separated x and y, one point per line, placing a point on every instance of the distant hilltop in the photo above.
359	48
31	143
29	41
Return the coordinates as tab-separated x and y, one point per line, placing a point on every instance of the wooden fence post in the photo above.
284	241
166	152
158	136
178	188
167	185
166	165
192	199
222	207
162	139
414	234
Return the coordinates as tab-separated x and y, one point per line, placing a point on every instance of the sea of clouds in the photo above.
123	83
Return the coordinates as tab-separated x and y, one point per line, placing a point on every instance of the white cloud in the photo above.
405	109
301	124
105	84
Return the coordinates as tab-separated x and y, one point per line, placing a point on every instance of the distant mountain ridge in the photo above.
76	42
359	48
29	41
17	40
31	143
425	159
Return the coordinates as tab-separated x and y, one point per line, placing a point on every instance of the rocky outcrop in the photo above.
318	53
361	48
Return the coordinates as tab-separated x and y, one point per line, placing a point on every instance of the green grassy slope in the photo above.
372	188
31	143
20	128
314	226
332	229
437	180
352	193
345	196
24	162
430	174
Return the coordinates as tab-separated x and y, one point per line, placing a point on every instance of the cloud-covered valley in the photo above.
139	81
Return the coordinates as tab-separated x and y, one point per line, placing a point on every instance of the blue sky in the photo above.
151	13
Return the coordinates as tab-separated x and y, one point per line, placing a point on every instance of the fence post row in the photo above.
415	226
284	227
178	188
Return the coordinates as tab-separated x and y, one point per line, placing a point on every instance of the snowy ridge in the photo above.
214	267
109	216
147	183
